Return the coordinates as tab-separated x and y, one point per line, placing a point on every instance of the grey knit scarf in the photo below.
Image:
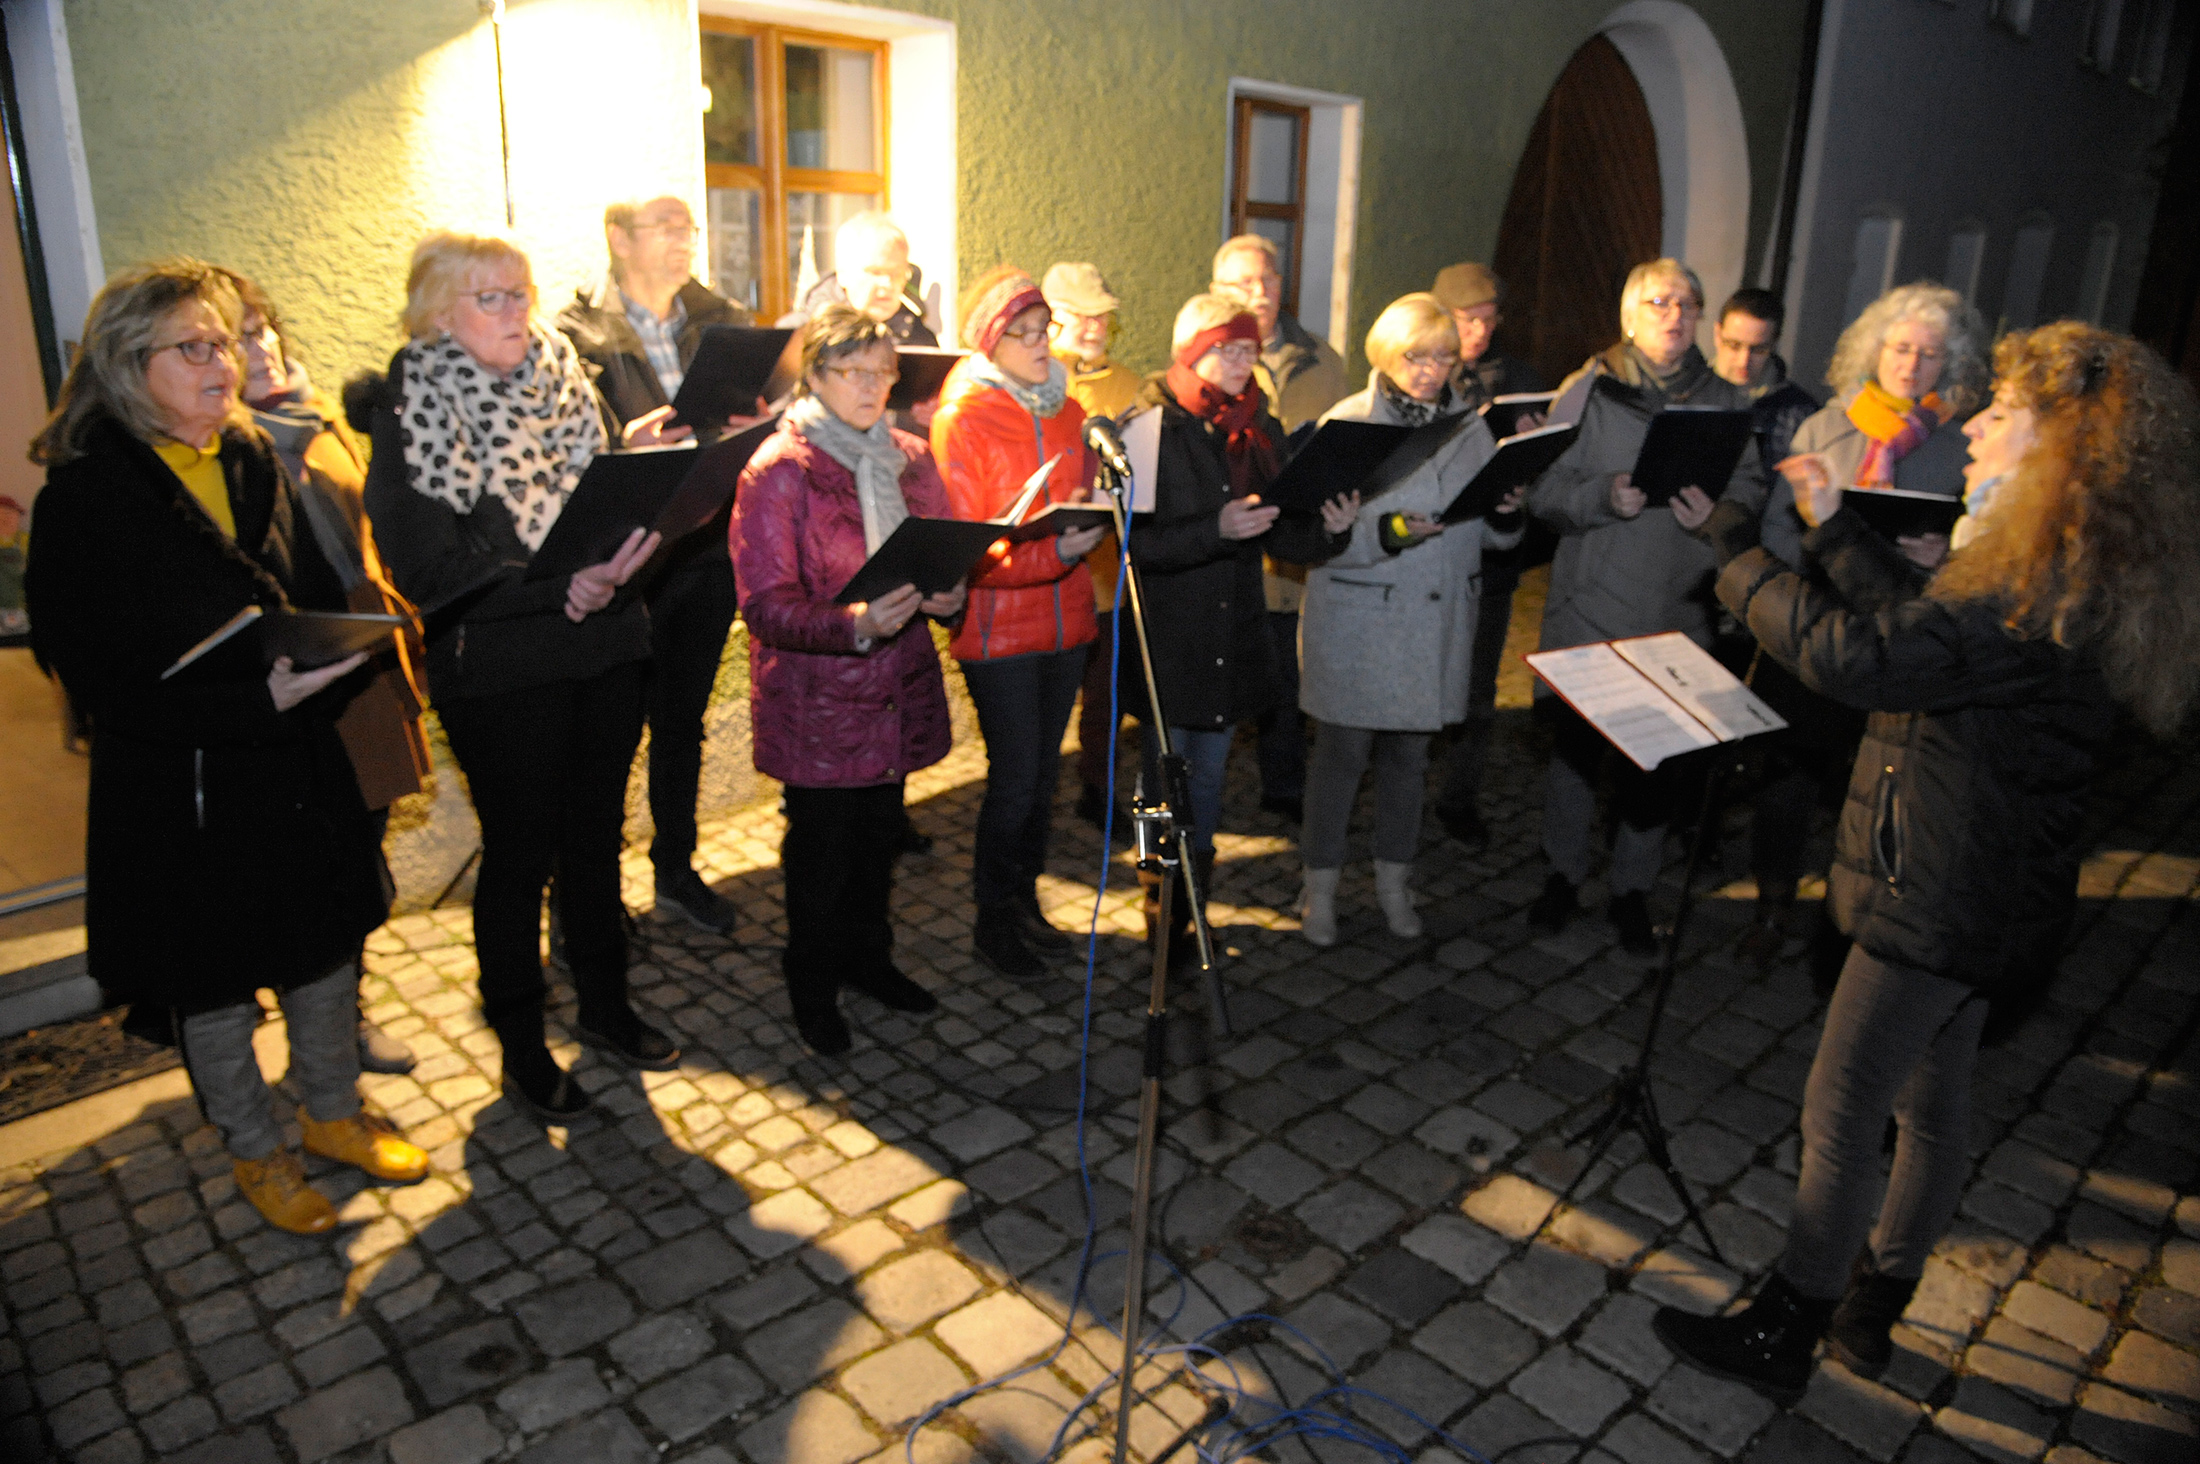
1043	400
872	456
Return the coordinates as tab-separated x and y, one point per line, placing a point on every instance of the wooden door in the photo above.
1585	208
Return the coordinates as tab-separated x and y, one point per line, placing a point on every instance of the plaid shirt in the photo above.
660	338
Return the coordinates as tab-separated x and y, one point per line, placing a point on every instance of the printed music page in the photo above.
1711	694
1621	703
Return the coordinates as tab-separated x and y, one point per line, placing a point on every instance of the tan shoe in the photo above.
368	1143
277	1188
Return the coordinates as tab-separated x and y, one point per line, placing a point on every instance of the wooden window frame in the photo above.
774	179
1243	208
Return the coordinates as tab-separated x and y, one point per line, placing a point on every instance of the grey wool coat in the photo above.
1933	466
1385	640
1615	577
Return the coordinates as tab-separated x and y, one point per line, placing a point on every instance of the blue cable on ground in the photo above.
1306	1420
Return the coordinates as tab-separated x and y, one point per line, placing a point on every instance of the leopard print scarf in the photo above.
524	438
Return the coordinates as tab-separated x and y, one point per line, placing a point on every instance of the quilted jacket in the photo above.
1023	598
824	714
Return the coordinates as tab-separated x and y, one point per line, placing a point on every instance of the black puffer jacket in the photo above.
1959	843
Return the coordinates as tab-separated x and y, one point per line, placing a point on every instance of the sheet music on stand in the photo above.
1142	445
1656	696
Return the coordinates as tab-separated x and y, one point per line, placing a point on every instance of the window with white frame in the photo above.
1294	176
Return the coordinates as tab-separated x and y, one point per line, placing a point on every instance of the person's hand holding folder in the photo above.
592	588
289	687
661	426
883	619
1691	506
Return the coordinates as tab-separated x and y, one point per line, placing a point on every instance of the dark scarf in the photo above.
1250	456
1410	410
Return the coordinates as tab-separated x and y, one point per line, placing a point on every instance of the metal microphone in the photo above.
1101	437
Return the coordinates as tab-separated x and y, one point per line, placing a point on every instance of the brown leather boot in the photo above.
277	1188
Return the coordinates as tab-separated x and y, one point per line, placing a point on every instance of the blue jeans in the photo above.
1206	753
1023	705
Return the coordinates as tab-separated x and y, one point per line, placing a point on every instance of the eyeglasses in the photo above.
864	376
1443	360
1264	284
1237	353
1916	353
1676	304
1030	335
496	302
198	350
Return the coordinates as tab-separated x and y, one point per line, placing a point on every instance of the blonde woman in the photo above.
1626	569
1388	627
1956	865
227	848
487	423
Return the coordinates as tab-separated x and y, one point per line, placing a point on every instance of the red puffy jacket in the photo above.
823	714
1023	598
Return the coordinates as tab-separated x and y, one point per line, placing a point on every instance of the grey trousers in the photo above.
323	1020
1341	754
1640	806
1896	1040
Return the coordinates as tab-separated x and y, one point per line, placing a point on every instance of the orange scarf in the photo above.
1895	425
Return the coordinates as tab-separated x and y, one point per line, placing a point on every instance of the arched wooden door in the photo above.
1585	208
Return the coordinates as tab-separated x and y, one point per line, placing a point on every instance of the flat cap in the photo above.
1078	289
1464	286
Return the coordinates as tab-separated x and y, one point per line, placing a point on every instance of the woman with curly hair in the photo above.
1905	375
1955	874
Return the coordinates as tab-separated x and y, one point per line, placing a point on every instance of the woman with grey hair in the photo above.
227	848
846	700
1625	569
1906	374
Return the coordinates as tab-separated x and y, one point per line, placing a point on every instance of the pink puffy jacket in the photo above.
823	714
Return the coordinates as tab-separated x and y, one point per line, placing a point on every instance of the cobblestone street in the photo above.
766	1257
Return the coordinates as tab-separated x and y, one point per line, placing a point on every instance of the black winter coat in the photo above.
1205	609
227	845
504	632
1959	842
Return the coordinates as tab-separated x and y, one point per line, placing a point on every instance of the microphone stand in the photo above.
1161	828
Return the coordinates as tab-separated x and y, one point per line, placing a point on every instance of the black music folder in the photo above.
1690	447
733	366
932	554
1519	460
620	492
310	638
1503	414
1338	458
1061	518
923	371
1901	513
1411	455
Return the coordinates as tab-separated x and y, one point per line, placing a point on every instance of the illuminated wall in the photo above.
310	141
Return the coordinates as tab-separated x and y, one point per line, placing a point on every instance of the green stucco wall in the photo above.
311	141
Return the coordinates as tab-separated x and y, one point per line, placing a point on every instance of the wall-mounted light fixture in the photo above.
494	10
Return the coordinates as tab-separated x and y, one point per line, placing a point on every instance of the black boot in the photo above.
817	1015
1861	1337
1769	1347
533	1081
1555	906
998	938
891	989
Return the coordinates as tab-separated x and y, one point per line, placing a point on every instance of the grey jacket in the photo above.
1933	466
1613	576
1386	639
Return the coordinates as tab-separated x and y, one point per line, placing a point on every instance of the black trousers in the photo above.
547	766
837	861
689	617
1023	705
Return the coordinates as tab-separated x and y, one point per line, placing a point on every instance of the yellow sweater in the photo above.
201	472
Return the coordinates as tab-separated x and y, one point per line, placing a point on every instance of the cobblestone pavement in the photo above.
766	1257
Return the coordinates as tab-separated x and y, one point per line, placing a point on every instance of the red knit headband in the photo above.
997	307
1240	327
